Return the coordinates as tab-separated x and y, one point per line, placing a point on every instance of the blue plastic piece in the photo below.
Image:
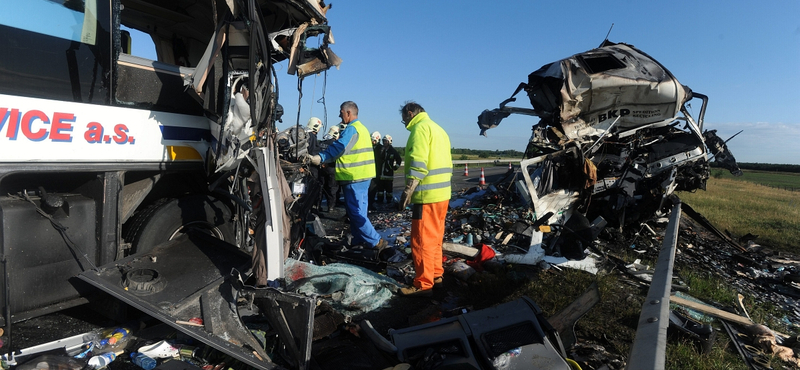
143	361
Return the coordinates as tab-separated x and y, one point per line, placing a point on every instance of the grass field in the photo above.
782	180
741	206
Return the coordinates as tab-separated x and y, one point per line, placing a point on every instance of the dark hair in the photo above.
411	106
350	106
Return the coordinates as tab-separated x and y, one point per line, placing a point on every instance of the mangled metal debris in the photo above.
615	139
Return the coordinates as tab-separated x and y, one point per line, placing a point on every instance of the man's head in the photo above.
387	140
409	110
376	137
348	111
314	124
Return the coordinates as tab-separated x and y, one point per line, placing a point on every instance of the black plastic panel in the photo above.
37	255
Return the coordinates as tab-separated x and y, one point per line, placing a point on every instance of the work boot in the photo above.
438	282
413	291
382	244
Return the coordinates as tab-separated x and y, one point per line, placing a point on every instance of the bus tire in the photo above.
167	219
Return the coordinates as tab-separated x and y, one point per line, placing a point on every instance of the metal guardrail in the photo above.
650	345
503	161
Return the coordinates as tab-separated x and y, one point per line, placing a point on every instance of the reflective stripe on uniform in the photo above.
357	163
433	186
428	159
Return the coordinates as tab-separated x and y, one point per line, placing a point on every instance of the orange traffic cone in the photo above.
466	169
509	167
483	179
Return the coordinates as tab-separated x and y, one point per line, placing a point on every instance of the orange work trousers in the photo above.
427	233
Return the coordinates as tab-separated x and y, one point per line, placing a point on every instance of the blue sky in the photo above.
459	58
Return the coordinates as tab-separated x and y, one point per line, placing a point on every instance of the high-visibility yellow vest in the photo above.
357	162
428	159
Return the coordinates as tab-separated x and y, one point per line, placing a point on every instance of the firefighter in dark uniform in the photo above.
390	162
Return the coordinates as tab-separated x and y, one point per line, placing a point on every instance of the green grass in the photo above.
708	287
782	180
743	207
684	354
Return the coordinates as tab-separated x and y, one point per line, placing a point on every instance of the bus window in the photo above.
56	49
140	44
73	20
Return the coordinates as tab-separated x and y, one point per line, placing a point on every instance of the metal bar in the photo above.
7	301
650	345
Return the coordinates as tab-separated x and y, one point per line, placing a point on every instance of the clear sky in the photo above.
457	58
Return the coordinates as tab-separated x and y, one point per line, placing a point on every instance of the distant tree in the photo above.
765	167
483	155
463	157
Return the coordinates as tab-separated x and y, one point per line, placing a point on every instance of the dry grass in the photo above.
742	207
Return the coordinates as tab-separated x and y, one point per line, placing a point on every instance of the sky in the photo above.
458	58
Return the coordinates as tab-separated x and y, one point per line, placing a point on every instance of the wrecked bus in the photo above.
614	139
107	155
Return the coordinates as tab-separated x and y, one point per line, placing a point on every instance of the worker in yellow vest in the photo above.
355	168
428	169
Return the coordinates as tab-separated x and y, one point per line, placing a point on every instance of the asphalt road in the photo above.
491	173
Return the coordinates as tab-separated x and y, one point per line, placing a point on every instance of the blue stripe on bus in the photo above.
185	133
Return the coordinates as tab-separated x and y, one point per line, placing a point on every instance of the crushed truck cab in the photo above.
613	141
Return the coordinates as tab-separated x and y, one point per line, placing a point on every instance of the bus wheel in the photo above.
167	219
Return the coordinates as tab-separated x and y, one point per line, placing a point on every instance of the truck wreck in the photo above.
615	139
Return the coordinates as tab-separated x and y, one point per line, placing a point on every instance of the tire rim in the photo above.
203	226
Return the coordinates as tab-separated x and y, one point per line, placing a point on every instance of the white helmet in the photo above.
333	133
314	124
387	139
376	137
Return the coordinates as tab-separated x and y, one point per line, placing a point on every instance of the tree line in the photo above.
771	167
458	152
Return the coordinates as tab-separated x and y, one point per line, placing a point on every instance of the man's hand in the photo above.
312	159
405	198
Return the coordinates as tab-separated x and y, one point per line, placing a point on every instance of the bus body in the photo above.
104	154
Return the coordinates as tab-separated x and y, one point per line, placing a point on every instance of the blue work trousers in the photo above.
355	203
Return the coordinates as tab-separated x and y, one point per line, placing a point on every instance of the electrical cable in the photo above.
322	100
297	123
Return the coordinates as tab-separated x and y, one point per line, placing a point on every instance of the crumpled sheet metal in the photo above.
348	288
